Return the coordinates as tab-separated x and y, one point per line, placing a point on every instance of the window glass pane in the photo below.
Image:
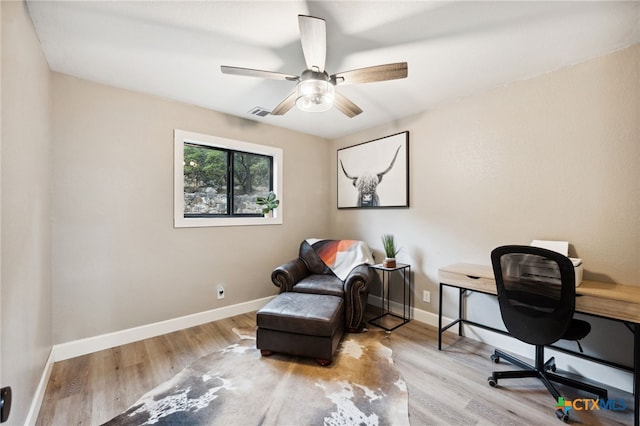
205	180
252	177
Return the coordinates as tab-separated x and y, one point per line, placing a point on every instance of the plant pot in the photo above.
269	214
389	262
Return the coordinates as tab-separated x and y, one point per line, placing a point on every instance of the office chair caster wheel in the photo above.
495	358
562	415
492	382
552	368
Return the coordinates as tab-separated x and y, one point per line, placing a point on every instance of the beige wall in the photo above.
118	261
555	157
26	211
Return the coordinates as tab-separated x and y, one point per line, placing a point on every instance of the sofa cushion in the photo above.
320	284
310	314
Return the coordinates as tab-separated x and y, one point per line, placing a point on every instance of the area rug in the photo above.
237	386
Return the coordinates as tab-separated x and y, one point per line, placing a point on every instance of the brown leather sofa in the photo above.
309	274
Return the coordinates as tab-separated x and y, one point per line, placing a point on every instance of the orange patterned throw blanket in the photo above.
341	256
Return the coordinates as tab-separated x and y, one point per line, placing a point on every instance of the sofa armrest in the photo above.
356	292
358	279
287	275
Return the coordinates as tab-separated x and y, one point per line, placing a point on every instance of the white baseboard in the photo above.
397	308
101	342
38	397
105	341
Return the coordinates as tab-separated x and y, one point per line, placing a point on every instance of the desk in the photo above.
617	302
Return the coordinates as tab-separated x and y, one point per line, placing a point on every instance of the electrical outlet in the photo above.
426	296
220	291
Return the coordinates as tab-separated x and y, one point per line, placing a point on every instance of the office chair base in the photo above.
562	415
542	371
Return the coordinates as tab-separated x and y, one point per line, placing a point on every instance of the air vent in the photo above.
259	111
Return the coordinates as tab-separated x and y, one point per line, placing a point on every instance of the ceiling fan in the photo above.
315	89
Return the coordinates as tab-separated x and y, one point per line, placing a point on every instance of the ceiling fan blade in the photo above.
248	72
284	106
313	36
345	106
371	74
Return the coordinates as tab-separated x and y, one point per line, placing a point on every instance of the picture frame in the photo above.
374	174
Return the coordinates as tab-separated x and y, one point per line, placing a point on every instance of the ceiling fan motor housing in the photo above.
315	92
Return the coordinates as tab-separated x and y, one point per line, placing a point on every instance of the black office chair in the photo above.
537	297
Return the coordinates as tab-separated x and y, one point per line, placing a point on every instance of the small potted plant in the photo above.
390	251
268	203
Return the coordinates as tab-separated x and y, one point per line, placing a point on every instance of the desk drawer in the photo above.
485	285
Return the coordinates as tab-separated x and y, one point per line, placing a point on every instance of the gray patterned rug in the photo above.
237	386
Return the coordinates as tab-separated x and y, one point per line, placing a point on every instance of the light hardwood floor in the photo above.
447	387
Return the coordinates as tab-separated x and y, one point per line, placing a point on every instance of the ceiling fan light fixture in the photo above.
315	95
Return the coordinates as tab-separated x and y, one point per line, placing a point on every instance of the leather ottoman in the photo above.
309	325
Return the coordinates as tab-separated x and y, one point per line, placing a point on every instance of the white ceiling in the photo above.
174	49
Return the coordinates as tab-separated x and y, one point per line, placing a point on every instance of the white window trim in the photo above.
179	221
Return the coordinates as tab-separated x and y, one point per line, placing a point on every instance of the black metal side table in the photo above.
382	320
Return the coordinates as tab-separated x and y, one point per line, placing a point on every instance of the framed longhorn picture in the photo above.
374	174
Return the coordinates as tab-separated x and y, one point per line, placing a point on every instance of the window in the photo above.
217	181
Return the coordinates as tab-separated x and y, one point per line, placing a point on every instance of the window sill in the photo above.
198	222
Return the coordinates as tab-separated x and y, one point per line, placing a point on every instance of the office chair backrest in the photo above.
536	292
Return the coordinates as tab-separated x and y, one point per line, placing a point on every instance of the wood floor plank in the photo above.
447	387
